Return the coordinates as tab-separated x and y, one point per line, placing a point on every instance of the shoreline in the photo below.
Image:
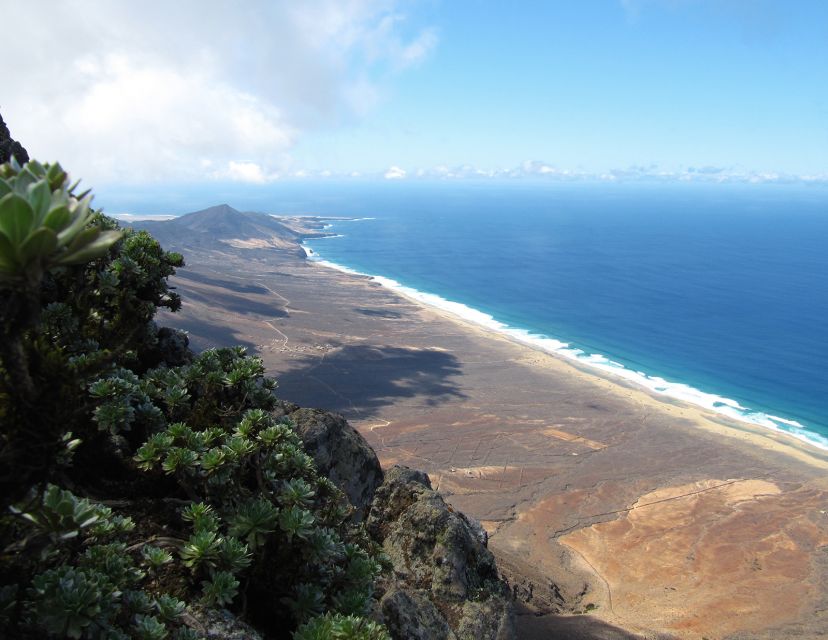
567	468
768	437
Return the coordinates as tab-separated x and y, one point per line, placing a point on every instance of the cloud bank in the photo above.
538	170
191	90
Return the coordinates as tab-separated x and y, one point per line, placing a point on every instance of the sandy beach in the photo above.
613	512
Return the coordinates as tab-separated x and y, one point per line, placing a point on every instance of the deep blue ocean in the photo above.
717	294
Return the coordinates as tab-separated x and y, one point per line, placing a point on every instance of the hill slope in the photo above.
222	226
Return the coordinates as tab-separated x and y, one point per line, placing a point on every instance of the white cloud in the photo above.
538	170
245	172
419	49
125	91
394	173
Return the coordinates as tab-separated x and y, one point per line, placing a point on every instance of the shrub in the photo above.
77	295
212	499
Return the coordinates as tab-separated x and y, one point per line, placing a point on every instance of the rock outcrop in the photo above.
341	454
219	624
10	147
445	584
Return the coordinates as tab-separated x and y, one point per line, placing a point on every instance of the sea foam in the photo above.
677	390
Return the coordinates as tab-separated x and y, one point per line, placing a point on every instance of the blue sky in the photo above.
608	89
597	86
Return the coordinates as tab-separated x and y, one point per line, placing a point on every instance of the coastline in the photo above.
581	480
754	435
769	436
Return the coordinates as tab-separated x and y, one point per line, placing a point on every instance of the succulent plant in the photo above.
235	555
67	600
170	608
202	550
255	521
220	589
155	557
149	628
307	601
297	492
59	513
202	516
43	223
341	627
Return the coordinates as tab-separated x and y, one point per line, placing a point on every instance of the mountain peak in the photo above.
214	212
222	224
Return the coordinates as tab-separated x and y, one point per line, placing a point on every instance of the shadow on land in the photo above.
378	313
544	627
238	304
204	334
235	287
358	380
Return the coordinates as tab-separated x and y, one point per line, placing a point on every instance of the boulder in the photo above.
439	556
341	454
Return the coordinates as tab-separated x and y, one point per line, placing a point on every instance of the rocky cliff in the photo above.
444	583
10	147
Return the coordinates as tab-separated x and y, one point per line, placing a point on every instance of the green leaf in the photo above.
93	250
24	179
8	255
84	238
16	218
56	176
60	199
4	188
81	216
36	168
57	218
39	244
40	197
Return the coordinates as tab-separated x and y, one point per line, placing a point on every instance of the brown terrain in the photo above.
613	513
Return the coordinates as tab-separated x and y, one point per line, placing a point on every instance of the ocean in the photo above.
713	294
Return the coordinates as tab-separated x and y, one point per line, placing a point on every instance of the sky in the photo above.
213	91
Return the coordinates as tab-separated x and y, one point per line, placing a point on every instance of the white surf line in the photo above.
655	384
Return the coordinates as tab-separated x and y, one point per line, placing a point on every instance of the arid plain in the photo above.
613	513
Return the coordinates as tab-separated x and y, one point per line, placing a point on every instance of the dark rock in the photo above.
219	624
174	346
283	408
477	529
10	147
165	347
401	489
341	454
492	618
438	554
412	615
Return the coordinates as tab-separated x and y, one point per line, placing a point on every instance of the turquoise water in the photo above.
714	294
